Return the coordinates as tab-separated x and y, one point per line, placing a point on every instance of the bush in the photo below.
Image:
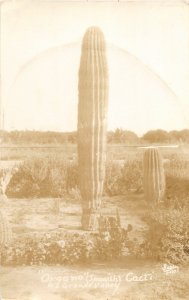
43	178
120	179
132	175
178	166
113	179
177	179
112	241
64	248
55	177
28	178
48	249
167	237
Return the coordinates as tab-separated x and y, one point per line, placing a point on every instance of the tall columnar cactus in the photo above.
92	124
154	176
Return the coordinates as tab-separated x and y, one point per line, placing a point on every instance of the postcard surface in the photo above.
94	149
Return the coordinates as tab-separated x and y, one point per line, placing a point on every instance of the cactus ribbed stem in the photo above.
92	119
154	176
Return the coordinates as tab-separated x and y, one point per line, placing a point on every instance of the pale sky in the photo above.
148	58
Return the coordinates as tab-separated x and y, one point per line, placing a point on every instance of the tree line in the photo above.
118	136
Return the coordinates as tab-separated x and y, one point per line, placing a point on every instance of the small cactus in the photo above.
154	176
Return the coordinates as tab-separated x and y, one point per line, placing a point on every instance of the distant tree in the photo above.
3	136
72	137
122	136
110	136
174	136
184	135
156	136
29	137
179	136
118	136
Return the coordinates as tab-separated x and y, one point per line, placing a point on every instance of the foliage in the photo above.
47	249
167	237
113	179
177	179
120	136
179	136
112	240
37	137
121	178
56	176
117	136
156	136
132	175
162	136
64	248
43	178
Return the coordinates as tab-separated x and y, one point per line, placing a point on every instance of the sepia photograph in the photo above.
94	150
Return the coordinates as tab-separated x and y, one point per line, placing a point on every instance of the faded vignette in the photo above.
94	157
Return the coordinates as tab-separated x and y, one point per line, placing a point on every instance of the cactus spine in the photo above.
154	176
92	124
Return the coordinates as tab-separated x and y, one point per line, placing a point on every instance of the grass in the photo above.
69	151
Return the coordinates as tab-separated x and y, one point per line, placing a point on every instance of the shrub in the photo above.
72	176
43	178
177	178
55	177
113	179
109	243
178	166
167	237
112	241
48	249
132	175
28	178
24	188
123	178
177	201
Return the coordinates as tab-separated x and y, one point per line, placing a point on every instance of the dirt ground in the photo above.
137	280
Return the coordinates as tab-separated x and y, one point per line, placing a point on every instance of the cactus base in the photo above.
90	220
